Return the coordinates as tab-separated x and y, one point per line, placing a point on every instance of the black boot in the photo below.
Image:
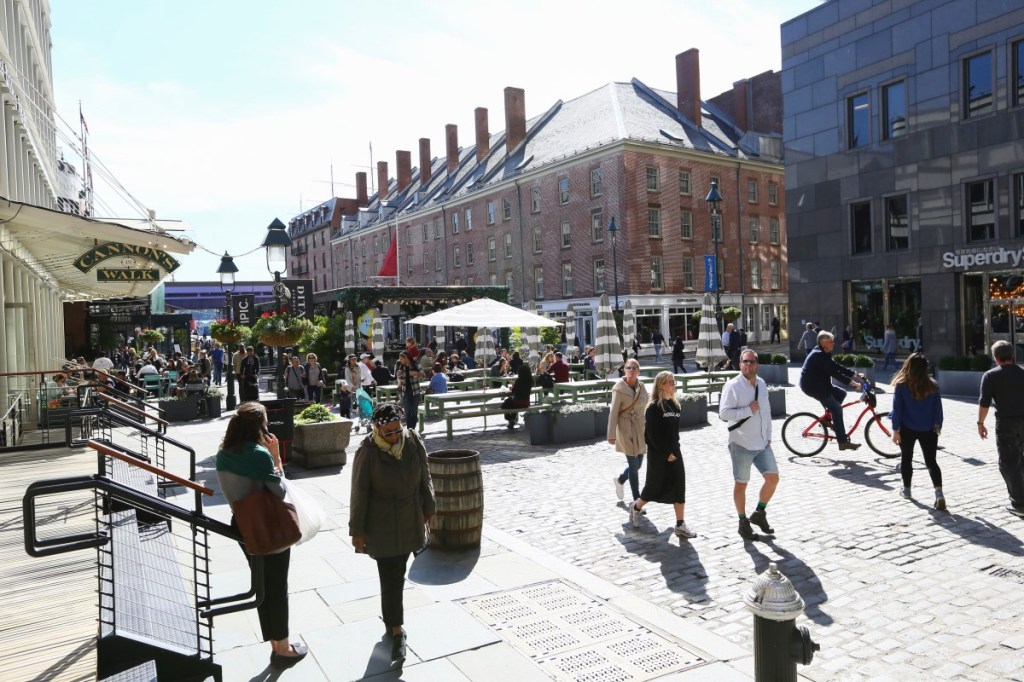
746	532
760	519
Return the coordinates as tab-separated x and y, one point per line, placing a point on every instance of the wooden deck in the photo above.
50	629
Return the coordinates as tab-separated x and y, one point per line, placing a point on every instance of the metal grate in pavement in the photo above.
575	637
1012	574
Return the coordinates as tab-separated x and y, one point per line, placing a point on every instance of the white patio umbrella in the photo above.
628	327
709	341
532	337
570	329
350	334
484	346
609	349
378	335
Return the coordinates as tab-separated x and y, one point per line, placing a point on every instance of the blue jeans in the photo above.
410	405
313	394
632	472
657	354
890	358
834	404
216	373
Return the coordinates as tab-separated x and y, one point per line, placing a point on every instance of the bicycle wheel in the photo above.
879	436
802	436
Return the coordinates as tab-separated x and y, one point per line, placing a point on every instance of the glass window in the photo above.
426	232
657	275
537	239
376	244
506	209
686	224
688	279
897	225
860	227
595	182
455	223
538	282
867	301
437	228
1017	88
597	226
653	178
426	260
566	279
535	199
490	212
408	265
894	110
491	245
437	259
508	245
408	236
653	221
1018	204
773	230
754	227
566	237
776	274
469	253
977	85
563	191
755	273
981	222
684	182
858	121
752	191
773	194
904	309
469	219
599	276
493	279
456	258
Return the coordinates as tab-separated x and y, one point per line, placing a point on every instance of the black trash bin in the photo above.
281	422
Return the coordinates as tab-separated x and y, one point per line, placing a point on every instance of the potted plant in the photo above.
862	364
574	421
693	409
773	368
182	407
151	336
212	398
226	331
538	426
320	438
961	375
777	400
280	328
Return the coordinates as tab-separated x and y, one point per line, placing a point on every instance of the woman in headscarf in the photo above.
392	503
248	461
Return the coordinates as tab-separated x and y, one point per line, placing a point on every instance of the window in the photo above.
426	232
773	194
776	274
376	244
688	280
977	85
653	221
755	273
510	283
455	223
437	260
408	265
493	279
408	236
684	182
537	239
860	227
858	121
458	281
773	230
1017	87
599	276
597	226
490	212
657	274
469	253
566	279
469	219
595	182
686	224
716	228
1018	205
897	227
538	282
426	260
437	228
469	280
456	257
751	191
535	200
981	224
566	237
715	180
508	245
506	209
754	226
894	110
653	178
563	191
491	249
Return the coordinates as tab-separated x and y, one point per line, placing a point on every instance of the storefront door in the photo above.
1007	316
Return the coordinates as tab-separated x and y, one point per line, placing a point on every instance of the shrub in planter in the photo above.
981	363
773	368
182	408
320	438
212	399
693	409
574	421
538	426
961	375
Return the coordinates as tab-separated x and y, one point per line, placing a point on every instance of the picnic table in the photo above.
468	404
576	389
704	382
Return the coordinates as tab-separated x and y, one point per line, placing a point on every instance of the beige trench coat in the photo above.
626	426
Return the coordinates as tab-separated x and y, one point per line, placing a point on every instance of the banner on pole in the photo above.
710	273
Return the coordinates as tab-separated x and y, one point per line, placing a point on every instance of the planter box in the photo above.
566	428
693	412
321	445
777	400
961	383
774	375
182	410
601	422
538	425
212	407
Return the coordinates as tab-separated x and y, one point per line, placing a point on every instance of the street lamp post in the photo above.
613	230
276	243
715	199
227	272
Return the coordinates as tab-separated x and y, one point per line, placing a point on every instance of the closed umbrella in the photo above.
709	341
609	349
378	335
570	330
484	346
350	334
439	337
628	327
532	340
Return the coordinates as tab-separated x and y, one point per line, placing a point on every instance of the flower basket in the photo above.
228	332
280	329
150	336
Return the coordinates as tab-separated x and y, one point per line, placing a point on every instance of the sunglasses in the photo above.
632	369
749	362
391	432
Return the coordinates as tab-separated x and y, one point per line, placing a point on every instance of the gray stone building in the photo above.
905	171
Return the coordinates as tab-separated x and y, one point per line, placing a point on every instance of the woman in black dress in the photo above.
666	475
522	387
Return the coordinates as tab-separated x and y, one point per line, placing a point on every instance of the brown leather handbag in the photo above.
267	523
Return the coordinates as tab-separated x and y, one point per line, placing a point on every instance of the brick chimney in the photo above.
515	117
361	198
404	161
382	179
424	160
483	137
451	137
740	110
688	85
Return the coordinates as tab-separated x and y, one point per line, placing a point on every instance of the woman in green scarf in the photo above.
392	502
249	460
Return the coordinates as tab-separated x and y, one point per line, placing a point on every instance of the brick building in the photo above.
529	206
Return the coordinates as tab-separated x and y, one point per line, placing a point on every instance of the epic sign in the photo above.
969	258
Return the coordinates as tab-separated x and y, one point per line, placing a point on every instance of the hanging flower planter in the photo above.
280	329
150	336
228	332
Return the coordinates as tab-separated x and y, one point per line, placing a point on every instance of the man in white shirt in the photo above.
365	376
745	405
103	363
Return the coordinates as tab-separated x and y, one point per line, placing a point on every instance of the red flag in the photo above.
390	266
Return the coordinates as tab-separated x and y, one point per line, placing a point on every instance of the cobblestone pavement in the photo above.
894	589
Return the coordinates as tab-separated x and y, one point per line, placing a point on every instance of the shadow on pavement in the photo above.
435	567
681	566
379	662
869	476
978	531
803	577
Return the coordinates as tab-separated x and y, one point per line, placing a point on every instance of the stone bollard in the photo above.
778	644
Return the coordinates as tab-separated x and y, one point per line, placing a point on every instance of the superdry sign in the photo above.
982	256
102	252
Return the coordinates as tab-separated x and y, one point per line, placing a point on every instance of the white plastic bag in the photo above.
311	515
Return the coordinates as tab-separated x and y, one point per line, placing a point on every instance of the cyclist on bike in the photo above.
816	381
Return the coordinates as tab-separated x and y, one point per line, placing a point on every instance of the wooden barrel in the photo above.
459	491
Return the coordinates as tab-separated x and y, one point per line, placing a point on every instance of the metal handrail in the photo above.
135	410
112	451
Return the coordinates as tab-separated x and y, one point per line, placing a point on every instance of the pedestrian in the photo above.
809	339
295	379
744	403
776	331
316	378
626	427
392	503
408	375
1004	384
889	346
847	343
522	389
666	475
917	418
217	356
658	341
678	354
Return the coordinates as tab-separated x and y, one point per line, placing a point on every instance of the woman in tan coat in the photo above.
626	426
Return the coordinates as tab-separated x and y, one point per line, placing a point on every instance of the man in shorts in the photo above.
744	405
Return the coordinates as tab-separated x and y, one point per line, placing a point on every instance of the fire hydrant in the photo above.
778	644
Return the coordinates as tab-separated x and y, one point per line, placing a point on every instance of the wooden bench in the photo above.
486	411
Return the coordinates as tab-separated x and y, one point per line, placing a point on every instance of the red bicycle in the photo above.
806	434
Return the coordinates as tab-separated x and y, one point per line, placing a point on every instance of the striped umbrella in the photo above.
532	338
609	349
709	341
377	341
628	327
439	337
570	329
484	347
350	334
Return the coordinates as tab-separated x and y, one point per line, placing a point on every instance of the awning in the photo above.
484	312
88	259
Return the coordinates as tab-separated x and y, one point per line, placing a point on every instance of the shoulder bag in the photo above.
740	423
267	523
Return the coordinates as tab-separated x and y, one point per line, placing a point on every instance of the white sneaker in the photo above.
683	532
634	516
643	510
618	488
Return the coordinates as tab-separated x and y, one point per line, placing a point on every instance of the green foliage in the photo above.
315	414
325	339
583	406
280	323
150	336
731	314
551	336
981	363
955	363
415	300
863	361
516	337
779	359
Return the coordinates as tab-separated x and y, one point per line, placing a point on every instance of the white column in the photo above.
5	265
11	317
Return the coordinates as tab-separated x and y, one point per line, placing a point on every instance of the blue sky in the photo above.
228	114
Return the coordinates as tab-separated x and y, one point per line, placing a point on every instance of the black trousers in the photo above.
929	441
1010	445
273	612
391	570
